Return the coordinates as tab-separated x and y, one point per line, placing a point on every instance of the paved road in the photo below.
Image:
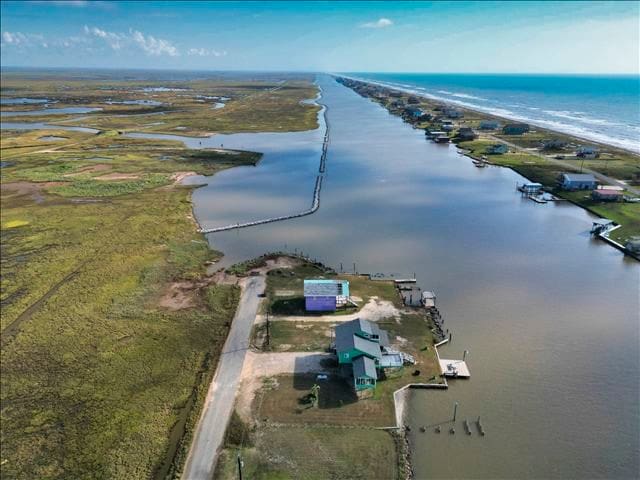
603	178
221	397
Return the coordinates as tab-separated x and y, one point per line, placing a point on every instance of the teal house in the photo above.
360	344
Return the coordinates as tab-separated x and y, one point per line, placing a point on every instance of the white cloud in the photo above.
380	23
203	52
148	43
115	40
155	46
19	39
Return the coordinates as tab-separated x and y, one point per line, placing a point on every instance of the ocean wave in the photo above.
579	131
462	95
579	116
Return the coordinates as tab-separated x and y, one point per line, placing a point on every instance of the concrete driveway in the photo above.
218	406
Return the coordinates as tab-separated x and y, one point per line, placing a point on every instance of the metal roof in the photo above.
325	288
579	177
346	339
364	367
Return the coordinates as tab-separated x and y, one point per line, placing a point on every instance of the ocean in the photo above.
601	108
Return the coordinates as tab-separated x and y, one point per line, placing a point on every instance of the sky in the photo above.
452	37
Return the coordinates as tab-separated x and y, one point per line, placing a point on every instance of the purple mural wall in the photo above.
320	304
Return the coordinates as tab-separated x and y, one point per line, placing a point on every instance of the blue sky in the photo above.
509	37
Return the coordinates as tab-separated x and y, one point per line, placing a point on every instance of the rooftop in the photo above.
325	288
579	177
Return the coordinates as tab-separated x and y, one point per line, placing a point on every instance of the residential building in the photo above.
577	181
361	345
588	152
496	149
321	295
466	134
515	128
606	195
489	125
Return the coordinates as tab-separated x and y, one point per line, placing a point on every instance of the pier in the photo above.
315	203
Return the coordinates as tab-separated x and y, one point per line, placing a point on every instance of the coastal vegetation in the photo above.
111	327
190	107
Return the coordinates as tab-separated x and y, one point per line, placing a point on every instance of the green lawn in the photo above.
283	453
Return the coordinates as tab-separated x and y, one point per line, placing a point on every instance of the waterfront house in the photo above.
515	128
496	149
466	134
588	152
412	113
577	181
453	113
322	295
362	348
553	144
606	195
489	125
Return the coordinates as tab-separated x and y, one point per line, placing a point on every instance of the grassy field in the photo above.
111	329
252	103
282	453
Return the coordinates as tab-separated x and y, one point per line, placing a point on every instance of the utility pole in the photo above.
354	268
239	467
455	411
268	332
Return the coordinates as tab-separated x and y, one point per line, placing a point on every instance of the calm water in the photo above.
602	108
50	111
550	316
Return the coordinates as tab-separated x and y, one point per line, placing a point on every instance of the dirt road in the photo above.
218	406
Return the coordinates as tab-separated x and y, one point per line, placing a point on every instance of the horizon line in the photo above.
139	69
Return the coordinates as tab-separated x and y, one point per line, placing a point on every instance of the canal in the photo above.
550	316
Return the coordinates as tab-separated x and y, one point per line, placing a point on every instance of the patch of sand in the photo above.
374	310
118	176
178	295
179	176
260	365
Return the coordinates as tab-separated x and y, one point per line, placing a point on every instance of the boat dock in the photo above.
454	368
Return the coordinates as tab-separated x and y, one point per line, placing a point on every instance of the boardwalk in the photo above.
315	203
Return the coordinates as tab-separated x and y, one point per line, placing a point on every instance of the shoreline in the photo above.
545	168
465	107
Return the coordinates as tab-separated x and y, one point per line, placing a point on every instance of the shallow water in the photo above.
43	126
22	101
50	111
549	315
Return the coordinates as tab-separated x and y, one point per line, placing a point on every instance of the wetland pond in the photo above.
549	315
